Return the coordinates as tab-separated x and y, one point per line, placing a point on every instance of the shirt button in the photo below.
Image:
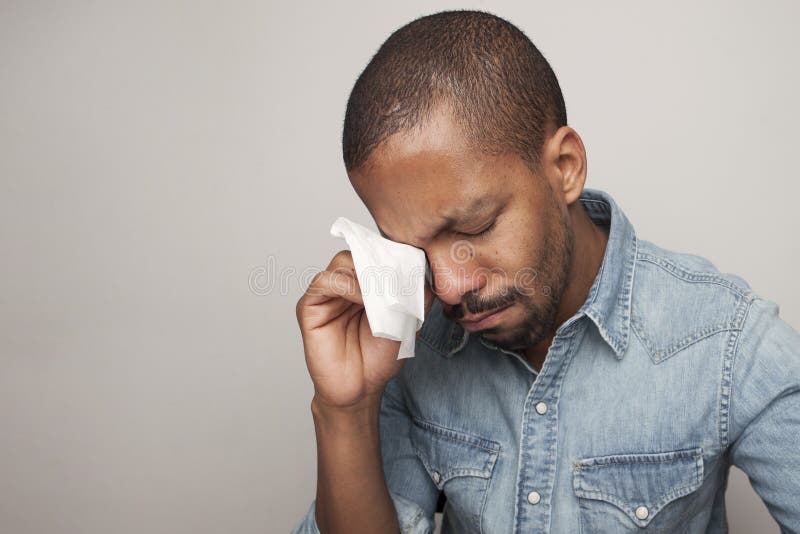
436	477
534	497
541	408
642	512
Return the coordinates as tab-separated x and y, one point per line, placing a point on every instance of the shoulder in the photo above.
764	363
655	261
681	298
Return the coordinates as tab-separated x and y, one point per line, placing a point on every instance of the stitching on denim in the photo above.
613	461
455	471
701	334
618	339
728	370
573	340
444	345
483	504
595	289
458	339
630	275
430	345
454	337
682	273
625	505
658	355
448	474
454	435
602	326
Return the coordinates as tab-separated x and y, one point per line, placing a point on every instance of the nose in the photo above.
453	273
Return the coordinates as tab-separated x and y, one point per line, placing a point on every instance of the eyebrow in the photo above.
477	205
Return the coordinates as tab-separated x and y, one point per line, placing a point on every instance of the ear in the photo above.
564	163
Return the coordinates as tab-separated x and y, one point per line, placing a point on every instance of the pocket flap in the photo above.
448	453
639	484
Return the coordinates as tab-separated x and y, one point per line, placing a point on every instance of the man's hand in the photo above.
347	364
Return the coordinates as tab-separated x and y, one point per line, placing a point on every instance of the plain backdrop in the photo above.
169	172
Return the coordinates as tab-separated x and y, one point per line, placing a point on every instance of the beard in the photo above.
540	307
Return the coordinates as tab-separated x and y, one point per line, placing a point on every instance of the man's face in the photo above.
495	235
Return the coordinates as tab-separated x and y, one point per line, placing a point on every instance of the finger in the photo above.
343	258
328	285
336	310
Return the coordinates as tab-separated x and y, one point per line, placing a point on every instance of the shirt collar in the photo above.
608	303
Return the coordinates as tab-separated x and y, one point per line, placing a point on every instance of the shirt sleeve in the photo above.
413	493
765	411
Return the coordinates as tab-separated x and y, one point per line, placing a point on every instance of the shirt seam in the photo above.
727	387
691	276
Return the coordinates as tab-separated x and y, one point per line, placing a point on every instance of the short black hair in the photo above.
501	89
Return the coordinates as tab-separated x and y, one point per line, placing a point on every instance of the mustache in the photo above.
476	304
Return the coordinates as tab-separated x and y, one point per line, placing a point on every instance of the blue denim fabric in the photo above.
670	372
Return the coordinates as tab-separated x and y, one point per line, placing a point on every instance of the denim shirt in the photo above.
669	372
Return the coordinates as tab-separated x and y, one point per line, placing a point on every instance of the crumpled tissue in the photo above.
392	279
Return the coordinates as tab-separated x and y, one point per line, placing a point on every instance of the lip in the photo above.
484	320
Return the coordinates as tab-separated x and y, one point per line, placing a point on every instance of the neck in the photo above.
590	247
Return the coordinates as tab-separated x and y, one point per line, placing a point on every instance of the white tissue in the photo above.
392	280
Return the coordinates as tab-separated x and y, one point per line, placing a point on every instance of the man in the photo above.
569	376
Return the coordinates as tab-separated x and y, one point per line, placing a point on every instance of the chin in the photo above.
505	336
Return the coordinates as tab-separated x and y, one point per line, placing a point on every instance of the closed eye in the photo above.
480	233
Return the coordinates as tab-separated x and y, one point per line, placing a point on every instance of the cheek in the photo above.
516	268
509	254
502	271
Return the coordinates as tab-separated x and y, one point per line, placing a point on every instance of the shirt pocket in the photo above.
632	492
458	463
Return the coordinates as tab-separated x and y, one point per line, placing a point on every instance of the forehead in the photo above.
415	183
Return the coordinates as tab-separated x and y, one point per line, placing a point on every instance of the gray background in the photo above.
159	161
